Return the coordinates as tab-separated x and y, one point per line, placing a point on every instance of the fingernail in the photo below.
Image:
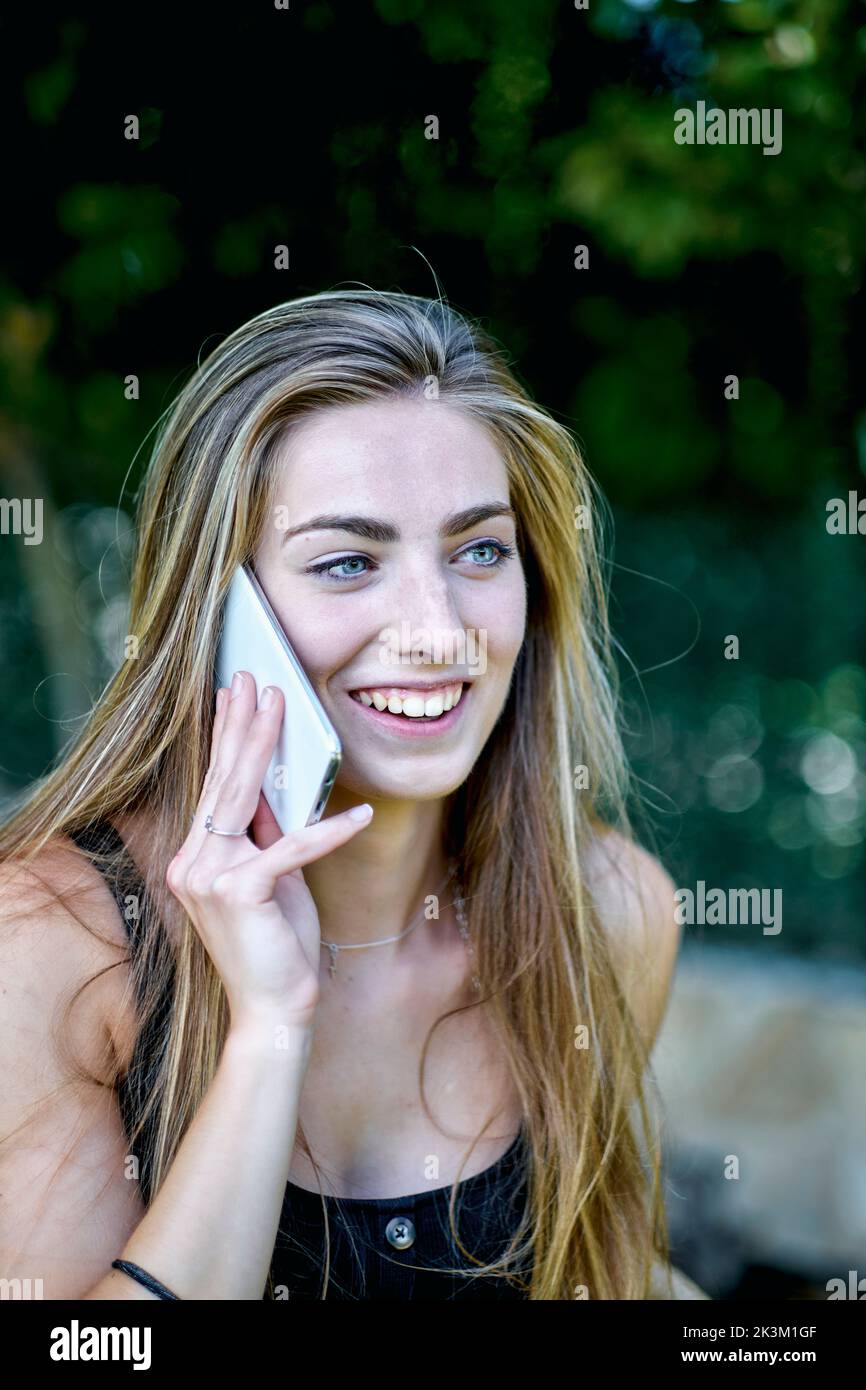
237	685
363	812
267	697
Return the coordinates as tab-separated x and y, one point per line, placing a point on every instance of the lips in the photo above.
406	725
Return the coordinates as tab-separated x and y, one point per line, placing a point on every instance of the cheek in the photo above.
320	648
506	626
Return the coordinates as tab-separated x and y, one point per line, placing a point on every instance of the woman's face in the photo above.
385	582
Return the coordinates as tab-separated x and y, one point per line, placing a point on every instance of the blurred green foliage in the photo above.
309	127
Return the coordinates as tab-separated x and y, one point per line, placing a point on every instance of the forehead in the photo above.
411	453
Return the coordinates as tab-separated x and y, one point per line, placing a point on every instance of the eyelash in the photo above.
504	552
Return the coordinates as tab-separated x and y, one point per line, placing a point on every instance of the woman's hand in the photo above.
248	901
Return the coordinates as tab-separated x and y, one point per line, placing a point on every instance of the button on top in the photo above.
400	1232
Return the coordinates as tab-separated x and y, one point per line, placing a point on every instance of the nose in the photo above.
426	614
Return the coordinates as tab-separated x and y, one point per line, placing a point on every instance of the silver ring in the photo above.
211	828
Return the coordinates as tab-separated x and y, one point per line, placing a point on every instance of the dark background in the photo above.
305	127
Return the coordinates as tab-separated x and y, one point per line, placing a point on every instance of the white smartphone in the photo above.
307	755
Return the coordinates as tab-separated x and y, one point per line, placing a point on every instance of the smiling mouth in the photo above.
419	706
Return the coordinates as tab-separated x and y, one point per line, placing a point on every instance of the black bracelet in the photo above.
142	1276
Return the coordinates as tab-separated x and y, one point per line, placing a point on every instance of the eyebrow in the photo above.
383	531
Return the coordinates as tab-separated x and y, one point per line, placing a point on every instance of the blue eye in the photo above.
327	568
502	551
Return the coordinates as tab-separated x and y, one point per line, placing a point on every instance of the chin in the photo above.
409	787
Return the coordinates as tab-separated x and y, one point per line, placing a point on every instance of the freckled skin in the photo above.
409	463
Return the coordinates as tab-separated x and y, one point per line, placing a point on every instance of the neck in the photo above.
376	885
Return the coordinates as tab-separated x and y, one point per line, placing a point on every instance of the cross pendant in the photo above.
332	968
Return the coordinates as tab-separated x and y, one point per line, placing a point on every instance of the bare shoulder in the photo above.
68	1205
634	895
61	930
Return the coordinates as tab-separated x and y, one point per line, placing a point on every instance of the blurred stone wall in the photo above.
765	1061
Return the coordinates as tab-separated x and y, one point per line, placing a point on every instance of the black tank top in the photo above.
375	1243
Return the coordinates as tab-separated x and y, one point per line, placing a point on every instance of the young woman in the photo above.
441	1102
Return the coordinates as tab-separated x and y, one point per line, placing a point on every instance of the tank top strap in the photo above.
112	858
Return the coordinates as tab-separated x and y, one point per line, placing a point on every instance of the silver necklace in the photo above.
334	947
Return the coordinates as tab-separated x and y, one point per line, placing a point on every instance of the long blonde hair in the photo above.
519	828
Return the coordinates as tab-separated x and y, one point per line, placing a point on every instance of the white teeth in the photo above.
413	706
